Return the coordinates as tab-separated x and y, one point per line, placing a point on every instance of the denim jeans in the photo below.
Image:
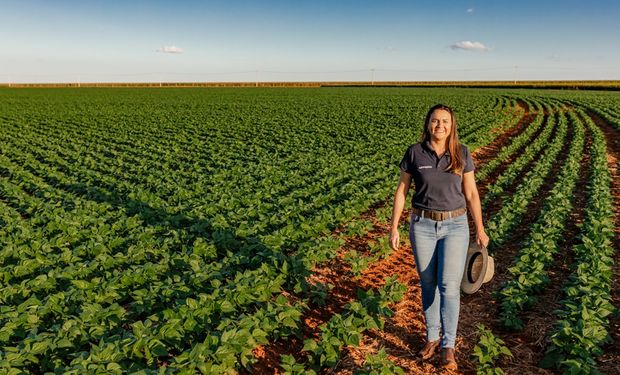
440	251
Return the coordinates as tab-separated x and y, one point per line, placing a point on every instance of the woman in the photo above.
443	172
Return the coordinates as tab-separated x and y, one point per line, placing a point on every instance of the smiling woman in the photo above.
443	172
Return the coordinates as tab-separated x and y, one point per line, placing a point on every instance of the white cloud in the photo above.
469	46
470	10
170	49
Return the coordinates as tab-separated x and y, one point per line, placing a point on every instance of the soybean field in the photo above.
245	231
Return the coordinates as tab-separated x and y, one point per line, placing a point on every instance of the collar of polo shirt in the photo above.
427	145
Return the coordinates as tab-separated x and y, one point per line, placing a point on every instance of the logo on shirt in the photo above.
425	167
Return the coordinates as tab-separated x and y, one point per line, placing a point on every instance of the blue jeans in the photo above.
440	251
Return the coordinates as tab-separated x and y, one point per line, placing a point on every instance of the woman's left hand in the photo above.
482	239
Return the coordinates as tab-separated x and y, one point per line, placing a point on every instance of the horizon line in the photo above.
608	84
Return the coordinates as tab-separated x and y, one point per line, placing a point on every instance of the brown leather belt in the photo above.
439	215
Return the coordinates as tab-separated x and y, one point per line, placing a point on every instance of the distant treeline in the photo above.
585	85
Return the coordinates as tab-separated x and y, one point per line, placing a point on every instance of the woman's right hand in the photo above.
399	202
394	238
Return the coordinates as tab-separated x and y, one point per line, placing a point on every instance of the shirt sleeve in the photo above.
406	164
469	162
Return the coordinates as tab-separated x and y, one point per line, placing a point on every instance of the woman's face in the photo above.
440	125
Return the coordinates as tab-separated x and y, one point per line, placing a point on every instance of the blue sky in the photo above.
151	41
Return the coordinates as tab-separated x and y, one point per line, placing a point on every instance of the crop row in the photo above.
528	276
604	106
516	143
346	328
488	131
509	175
513	208
582	327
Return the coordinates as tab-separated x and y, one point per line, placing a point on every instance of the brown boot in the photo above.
448	359
429	349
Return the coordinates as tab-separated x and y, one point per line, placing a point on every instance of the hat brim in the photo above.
469	285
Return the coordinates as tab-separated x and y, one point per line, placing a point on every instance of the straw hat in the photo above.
479	268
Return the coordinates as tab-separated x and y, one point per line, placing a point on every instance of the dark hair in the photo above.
454	145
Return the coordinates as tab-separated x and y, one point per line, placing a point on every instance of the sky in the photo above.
298	40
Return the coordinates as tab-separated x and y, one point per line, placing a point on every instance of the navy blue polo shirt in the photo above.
435	189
